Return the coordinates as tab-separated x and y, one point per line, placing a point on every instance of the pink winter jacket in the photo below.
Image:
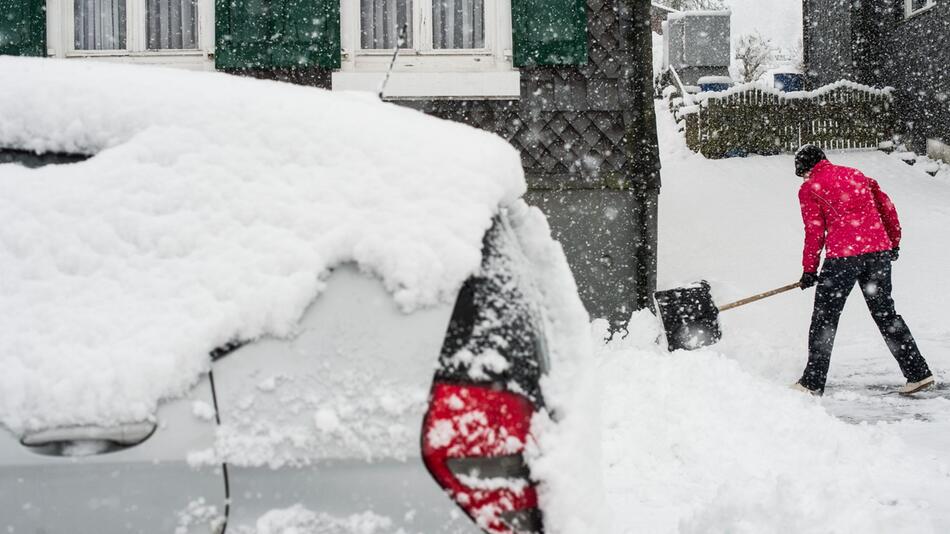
846	213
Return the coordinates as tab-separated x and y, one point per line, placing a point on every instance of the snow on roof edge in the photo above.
699	13
665	8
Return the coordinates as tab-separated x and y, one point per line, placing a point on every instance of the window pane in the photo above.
172	24
100	24
458	23
381	20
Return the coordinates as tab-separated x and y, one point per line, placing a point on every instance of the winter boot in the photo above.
913	387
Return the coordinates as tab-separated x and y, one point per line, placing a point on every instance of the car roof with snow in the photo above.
212	209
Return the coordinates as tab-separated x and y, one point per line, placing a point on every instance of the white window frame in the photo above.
909	10
61	36
422	32
423	72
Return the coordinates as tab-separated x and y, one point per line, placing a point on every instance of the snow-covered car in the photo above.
231	304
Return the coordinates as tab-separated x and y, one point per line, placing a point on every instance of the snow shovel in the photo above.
691	318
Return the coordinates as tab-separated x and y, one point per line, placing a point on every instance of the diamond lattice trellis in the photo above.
570	121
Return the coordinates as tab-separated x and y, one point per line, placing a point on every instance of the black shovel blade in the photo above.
690	317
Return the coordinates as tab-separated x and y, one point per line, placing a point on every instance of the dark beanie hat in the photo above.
806	158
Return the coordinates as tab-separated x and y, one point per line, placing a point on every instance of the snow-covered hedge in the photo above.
822	91
754	118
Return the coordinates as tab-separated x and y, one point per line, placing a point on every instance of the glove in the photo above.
808	280
894	253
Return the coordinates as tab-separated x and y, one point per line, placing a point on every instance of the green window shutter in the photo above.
274	34
549	32
23	27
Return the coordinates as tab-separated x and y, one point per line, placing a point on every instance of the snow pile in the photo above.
696	444
565	456
932	163
211	211
935	168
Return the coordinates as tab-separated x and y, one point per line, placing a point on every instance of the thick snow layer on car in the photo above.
211	210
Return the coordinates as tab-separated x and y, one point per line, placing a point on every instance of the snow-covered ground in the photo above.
713	440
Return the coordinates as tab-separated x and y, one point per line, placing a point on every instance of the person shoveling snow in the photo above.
854	221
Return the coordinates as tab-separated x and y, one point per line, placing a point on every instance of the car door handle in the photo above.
125	435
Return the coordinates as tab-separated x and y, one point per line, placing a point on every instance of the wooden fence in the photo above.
753	120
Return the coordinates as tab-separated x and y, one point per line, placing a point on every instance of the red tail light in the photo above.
472	443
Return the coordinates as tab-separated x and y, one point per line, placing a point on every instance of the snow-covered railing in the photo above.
755	119
684	94
661	7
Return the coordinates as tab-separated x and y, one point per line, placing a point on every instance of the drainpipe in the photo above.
643	150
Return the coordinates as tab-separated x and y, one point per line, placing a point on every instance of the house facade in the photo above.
900	43
567	82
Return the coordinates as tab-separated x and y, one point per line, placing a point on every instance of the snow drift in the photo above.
725	451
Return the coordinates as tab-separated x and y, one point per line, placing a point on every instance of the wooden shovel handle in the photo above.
760	296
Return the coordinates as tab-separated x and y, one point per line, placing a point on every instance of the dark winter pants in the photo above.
838	276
